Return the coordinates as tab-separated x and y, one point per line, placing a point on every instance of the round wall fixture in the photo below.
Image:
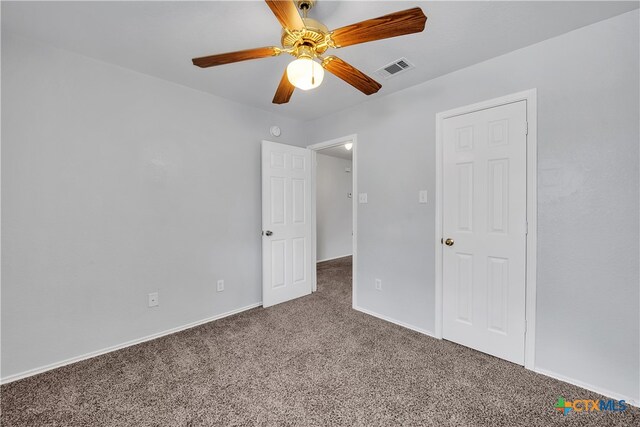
275	131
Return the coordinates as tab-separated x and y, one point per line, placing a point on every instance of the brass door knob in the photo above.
449	242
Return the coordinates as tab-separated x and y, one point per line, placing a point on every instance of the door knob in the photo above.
268	233
449	242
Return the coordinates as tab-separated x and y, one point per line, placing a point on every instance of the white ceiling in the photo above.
337	151
160	38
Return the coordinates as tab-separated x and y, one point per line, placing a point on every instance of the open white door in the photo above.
286	223
484	229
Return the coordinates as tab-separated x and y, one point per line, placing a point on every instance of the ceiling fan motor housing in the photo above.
314	35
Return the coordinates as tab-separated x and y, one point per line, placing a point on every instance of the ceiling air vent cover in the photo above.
396	67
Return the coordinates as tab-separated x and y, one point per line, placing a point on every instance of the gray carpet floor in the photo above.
309	362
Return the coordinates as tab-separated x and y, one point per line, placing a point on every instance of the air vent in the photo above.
396	67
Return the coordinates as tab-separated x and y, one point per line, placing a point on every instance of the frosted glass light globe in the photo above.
305	73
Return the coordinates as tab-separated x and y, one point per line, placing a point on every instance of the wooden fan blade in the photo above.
351	75
241	55
395	24
287	13
284	91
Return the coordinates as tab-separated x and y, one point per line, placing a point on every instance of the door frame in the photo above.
354	205
530	96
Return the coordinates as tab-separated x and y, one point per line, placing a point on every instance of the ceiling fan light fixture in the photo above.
305	73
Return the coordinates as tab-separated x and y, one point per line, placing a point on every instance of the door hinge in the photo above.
526	228
526	128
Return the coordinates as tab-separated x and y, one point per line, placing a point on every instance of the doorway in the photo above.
334	210
486	215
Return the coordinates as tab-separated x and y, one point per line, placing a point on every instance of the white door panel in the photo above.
286	208
484	213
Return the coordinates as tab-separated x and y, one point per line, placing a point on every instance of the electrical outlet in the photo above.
153	299
220	287
378	285
362	198
422	196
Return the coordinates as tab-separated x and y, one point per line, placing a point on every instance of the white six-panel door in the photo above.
484	216
286	223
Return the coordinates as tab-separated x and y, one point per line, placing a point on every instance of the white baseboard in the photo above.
587	386
89	355
394	321
335	257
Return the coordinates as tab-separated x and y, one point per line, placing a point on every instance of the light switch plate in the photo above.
422	196
362	198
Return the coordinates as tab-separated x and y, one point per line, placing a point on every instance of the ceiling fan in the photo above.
307	39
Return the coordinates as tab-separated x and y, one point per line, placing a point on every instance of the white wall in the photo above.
334	220
116	184
588	147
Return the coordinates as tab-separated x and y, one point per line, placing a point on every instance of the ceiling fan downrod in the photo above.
305	6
